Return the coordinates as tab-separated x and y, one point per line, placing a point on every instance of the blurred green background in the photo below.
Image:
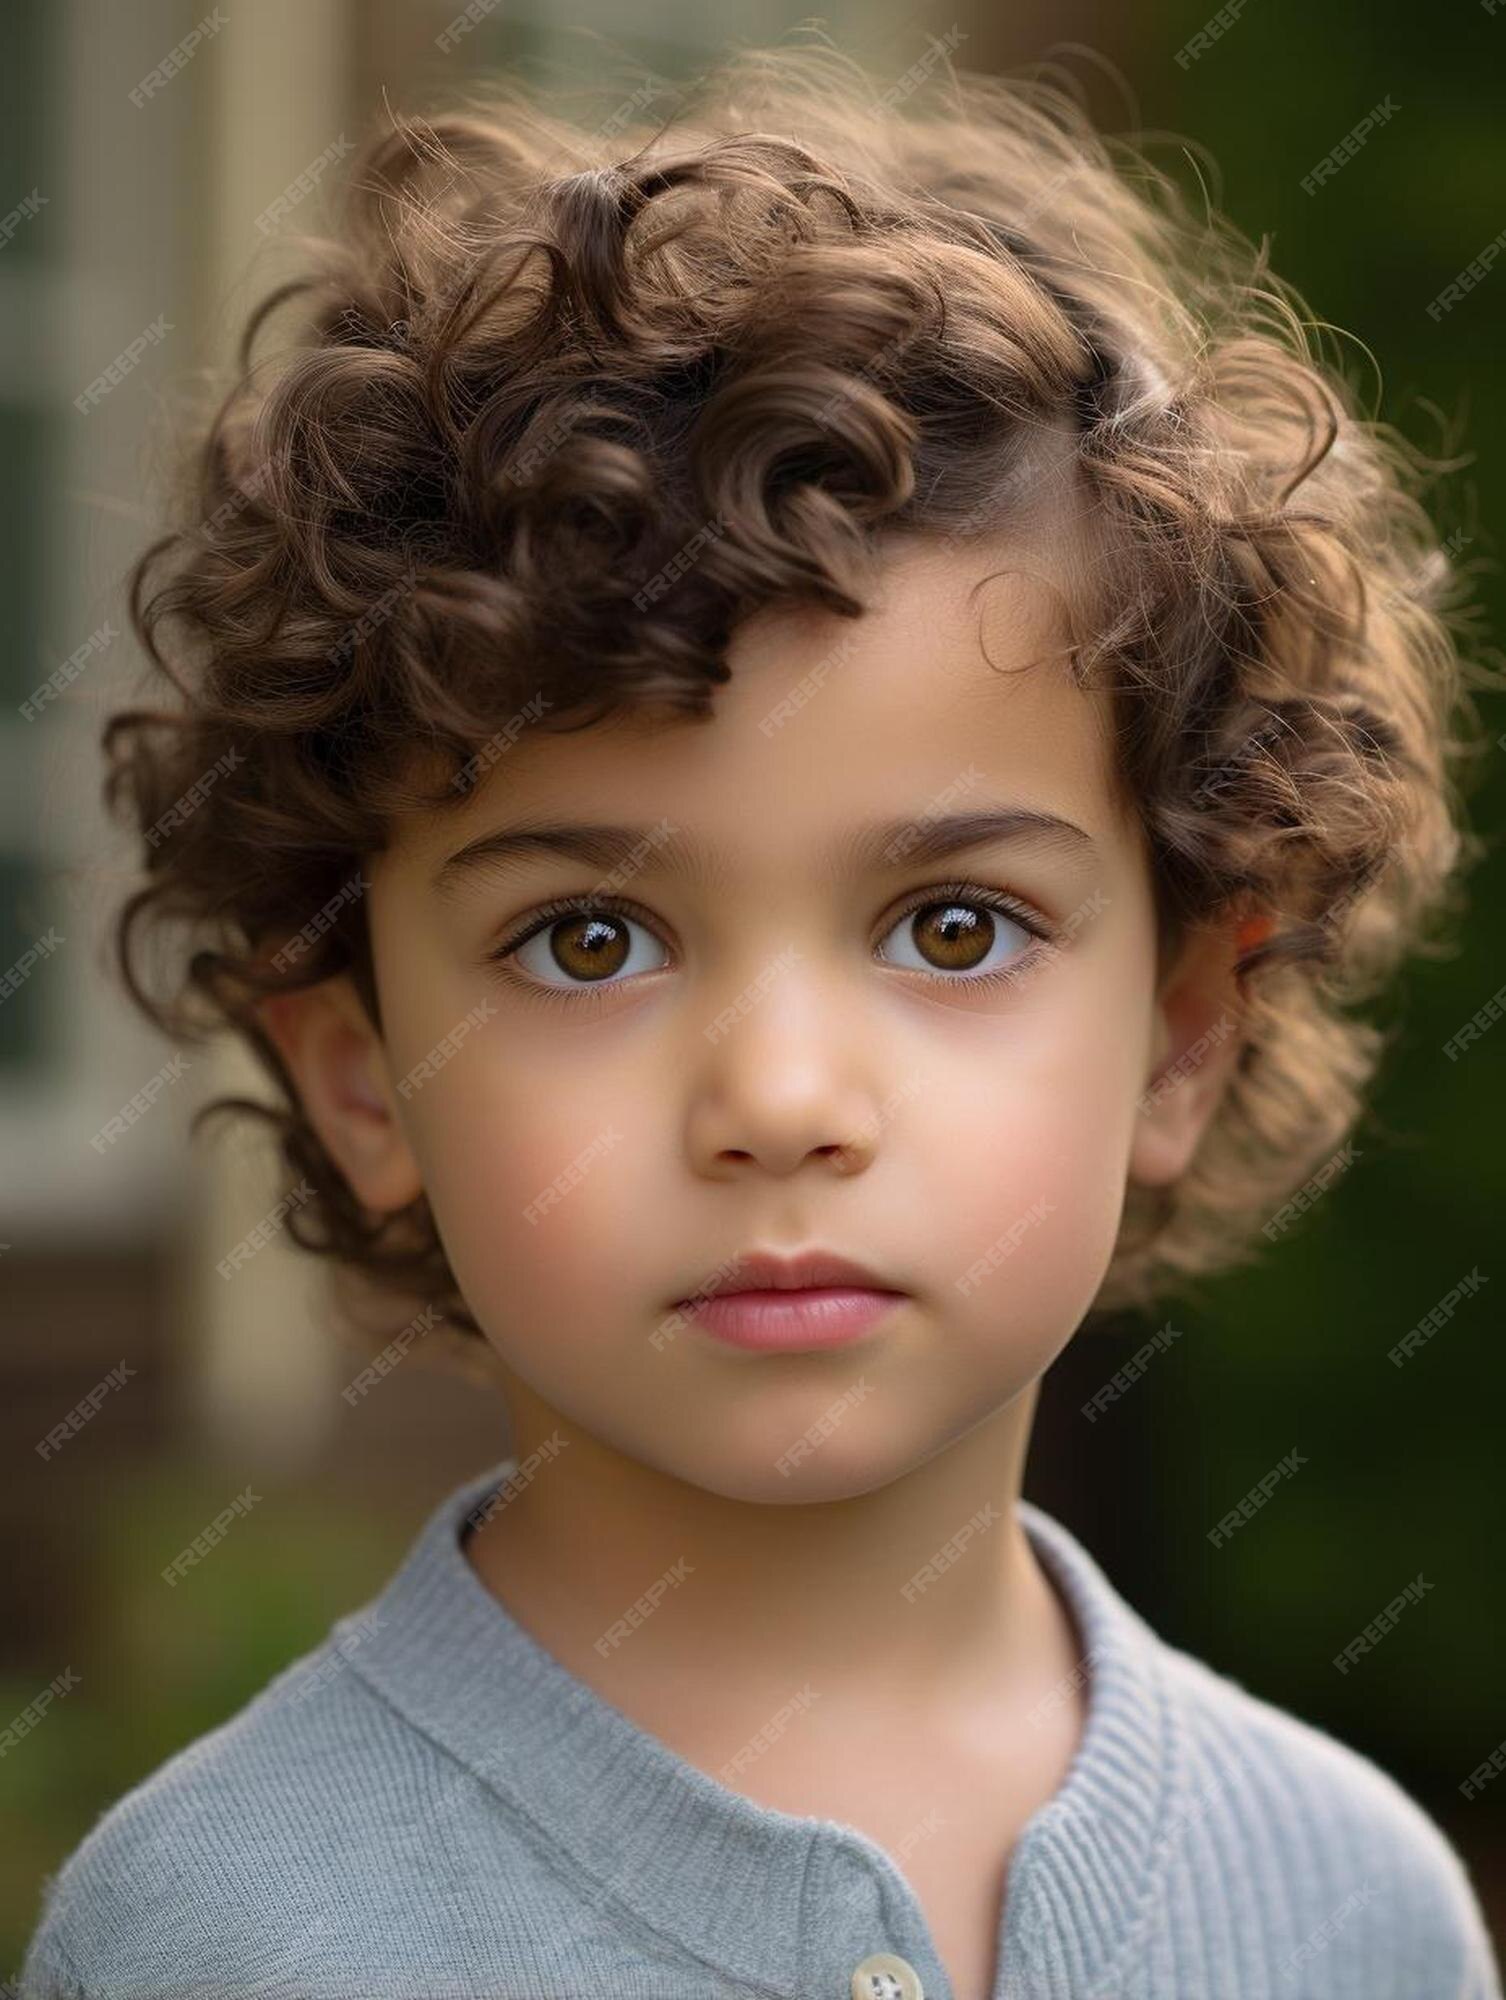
124	213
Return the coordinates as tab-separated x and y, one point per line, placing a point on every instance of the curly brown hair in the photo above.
531	360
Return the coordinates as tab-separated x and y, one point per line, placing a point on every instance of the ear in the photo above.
1198	1036
335	1057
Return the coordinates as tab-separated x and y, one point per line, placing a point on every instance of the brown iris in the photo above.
588	947
960	934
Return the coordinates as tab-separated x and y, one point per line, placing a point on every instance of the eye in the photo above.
971	933
582	944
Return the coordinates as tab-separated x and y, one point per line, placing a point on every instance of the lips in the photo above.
770	1303
767	1271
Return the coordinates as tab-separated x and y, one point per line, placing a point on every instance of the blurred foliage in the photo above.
1403	1473
167	1665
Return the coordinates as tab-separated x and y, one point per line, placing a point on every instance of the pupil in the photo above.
600	943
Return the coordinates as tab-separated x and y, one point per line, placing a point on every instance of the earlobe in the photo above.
1198	1039
334	1056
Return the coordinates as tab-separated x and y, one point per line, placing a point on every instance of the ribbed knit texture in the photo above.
429	1806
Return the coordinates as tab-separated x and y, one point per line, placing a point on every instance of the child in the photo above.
790	733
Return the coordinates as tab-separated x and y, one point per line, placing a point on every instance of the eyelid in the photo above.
567	906
1025	914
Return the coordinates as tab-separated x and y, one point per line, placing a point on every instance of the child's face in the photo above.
684	1094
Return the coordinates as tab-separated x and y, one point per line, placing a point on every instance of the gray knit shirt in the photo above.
430	1806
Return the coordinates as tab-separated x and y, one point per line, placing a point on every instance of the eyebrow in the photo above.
893	843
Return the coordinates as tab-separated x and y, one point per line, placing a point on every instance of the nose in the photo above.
785	1081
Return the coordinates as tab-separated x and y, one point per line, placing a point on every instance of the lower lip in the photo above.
773	1321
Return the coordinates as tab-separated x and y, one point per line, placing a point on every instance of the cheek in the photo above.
536	1188
1026	1178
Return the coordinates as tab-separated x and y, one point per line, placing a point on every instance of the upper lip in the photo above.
766	1270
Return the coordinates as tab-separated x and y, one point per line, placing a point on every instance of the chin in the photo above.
789	1467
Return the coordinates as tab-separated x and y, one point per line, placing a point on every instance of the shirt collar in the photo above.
717	1872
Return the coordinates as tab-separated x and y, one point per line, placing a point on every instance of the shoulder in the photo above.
1342	1833
253	1834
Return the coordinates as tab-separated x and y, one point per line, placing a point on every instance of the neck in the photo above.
923	1595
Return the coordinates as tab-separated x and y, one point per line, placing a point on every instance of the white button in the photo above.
885	1977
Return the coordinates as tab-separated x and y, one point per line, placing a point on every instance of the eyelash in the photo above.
549	913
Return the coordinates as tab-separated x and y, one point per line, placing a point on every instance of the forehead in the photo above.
951	692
